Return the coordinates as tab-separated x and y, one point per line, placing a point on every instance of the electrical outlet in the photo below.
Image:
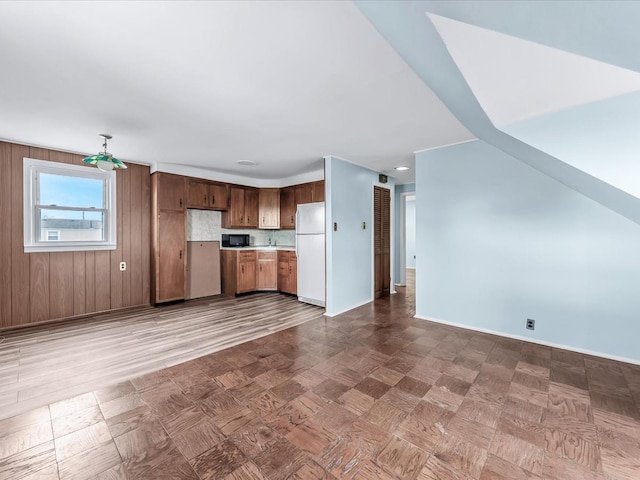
531	324
123	266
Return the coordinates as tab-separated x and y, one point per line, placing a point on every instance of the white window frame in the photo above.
31	171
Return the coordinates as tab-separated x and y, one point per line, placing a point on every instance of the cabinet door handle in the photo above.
242	268
180	254
205	199
260	267
213	199
292	219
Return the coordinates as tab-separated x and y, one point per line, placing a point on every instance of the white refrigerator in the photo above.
310	252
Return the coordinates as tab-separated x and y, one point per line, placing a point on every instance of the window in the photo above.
68	207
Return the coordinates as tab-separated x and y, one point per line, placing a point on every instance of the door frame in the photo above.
402	247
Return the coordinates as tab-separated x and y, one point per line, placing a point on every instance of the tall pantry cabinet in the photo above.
169	237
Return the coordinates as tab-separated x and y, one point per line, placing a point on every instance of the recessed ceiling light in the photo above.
247	163
402	167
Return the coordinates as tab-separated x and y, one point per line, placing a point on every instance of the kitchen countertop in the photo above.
262	247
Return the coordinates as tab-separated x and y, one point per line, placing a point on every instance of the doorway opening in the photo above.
405	270
410	240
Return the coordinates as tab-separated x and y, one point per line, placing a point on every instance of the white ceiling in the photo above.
205	84
515	79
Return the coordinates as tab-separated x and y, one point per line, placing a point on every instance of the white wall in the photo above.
499	242
349	202
410	232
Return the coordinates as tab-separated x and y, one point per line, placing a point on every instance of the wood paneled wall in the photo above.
36	287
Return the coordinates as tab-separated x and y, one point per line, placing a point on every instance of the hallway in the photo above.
370	394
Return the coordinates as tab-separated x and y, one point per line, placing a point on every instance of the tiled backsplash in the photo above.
203	225
206	225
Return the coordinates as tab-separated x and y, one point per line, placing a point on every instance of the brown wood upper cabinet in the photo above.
170	190
207	195
169	243
269	208
291	197
219	196
317	191
303	193
287	208
243	208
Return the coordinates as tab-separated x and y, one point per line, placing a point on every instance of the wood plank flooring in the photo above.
41	365
371	394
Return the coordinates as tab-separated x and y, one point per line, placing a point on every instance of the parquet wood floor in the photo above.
371	394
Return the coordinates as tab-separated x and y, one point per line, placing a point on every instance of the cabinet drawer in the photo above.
283	255
248	256
262	255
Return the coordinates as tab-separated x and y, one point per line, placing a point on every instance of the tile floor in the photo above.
371	394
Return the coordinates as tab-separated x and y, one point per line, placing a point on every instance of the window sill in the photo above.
67	248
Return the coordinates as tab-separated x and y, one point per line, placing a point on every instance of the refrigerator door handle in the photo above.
297	227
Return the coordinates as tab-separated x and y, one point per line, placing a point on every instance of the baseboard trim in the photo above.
532	340
347	310
83	316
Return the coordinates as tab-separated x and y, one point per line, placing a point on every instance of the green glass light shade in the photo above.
102	157
104	160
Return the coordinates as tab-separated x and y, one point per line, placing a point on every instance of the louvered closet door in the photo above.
382	241
385	232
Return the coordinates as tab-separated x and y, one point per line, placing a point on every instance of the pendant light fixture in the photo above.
104	160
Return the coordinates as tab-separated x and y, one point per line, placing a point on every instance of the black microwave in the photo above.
235	240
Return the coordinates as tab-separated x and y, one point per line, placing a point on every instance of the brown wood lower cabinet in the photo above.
238	271
287	272
267	273
245	271
170	259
